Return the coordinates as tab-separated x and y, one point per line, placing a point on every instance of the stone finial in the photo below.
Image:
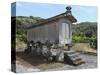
68	12
68	8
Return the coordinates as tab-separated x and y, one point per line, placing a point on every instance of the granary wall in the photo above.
48	31
51	31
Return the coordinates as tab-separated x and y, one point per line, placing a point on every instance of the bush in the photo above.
21	37
80	39
93	42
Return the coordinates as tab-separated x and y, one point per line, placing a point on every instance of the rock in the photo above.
61	56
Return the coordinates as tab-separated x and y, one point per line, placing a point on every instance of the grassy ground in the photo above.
20	46
83	47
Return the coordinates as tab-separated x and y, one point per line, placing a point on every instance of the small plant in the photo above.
93	42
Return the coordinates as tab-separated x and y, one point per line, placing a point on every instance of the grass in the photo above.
83	47
20	45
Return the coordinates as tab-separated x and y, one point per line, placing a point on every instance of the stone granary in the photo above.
52	38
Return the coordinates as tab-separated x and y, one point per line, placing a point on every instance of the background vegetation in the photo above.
85	32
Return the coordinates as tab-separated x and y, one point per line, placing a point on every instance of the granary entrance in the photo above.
65	33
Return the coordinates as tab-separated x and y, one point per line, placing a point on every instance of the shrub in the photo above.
21	37
93	42
80	39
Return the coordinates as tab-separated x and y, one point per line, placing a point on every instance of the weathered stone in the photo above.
61	56
53	52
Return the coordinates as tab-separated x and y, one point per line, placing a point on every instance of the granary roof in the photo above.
66	14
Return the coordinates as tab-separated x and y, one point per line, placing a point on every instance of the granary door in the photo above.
64	33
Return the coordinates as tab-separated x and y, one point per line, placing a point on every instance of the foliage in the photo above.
81	29
85	32
93	42
80	39
22	22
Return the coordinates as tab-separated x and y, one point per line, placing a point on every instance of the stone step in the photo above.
73	57
78	62
69	51
76	59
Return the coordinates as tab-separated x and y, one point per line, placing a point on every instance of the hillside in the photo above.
84	27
